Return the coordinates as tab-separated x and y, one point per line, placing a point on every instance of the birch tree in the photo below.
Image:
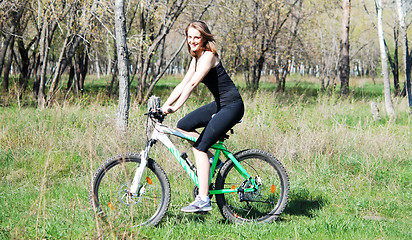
384	60
405	57
122	115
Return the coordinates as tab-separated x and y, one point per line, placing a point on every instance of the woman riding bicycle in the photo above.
217	117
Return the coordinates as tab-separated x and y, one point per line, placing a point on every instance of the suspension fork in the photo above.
143	162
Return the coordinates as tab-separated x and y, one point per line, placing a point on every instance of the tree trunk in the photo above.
97	66
395	62
84	69
71	78
344	67
405	51
3	51
76	76
110	90
57	73
7	67
46	37
41	75
114	74
256	70
109	58
122	116
25	64
387	89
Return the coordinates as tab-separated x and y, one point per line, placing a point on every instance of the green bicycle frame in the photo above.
160	133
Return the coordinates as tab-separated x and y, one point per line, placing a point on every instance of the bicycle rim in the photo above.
263	205
117	205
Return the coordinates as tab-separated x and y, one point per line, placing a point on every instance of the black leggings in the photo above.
216	122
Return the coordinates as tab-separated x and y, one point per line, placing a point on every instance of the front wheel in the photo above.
110	195
263	205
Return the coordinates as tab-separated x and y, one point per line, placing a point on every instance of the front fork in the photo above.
139	171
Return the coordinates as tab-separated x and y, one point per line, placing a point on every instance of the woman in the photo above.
217	117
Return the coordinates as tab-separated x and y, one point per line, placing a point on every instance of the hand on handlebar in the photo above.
168	109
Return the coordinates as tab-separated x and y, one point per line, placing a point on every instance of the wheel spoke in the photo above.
110	192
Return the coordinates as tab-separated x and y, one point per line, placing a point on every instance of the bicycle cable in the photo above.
147	126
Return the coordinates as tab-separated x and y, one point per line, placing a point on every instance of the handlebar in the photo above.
157	114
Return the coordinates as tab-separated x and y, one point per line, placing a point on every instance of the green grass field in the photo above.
350	176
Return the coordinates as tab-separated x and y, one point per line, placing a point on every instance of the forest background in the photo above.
325	91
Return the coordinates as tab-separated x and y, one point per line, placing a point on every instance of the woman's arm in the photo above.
205	63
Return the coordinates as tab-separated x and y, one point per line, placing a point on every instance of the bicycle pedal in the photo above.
241	193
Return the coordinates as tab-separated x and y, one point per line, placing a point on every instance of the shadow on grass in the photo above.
186	217
295	207
303	207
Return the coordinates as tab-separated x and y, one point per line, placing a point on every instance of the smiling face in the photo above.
195	40
199	39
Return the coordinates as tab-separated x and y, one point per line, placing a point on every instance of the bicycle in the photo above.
251	186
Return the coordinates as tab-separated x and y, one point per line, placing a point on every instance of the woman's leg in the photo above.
222	121
203	171
202	201
196	135
197	119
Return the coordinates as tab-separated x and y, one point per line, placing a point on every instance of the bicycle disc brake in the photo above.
249	196
128	198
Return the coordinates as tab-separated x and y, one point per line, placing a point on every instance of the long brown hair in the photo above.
209	44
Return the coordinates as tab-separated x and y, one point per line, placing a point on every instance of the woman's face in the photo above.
194	39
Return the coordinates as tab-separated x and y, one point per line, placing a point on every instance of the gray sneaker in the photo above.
198	206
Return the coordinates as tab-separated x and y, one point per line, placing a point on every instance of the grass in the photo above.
350	176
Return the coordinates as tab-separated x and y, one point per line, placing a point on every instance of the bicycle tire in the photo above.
109	197
262	206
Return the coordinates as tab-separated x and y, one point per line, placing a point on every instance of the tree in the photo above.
284	56
387	90
16	12
152	37
406	58
122	115
319	41
251	33
344	62
48	28
50	20
25	53
256	38
392	60
59	66
161	66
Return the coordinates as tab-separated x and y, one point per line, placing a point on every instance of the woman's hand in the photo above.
166	109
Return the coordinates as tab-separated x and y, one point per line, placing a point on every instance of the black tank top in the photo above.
222	87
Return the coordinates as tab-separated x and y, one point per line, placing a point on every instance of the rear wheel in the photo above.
110	197
263	205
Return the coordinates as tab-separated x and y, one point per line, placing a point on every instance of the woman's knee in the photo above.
183	125
196	151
